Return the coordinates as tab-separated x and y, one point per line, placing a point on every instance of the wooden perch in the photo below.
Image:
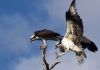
54	64
45	63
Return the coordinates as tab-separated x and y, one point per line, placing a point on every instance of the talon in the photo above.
43	46
57	55
56	46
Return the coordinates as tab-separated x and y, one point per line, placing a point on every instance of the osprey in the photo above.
45	35
74	39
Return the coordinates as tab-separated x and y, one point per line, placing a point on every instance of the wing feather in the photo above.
90	45
74	24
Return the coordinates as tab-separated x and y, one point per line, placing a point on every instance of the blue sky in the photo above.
20	18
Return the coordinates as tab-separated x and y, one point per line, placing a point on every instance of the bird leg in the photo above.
46	65
44	43
59	54
61	48
58	44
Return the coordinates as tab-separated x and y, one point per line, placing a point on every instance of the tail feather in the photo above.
80	57
83	52
90	45
80	54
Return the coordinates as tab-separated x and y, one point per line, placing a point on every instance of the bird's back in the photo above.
46	33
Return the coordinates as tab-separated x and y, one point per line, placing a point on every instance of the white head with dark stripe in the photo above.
35	37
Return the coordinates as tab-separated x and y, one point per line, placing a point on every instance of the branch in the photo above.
43	49
54	64
45	63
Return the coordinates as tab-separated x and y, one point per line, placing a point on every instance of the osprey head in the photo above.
34	37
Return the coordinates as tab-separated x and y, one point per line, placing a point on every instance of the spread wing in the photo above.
90	45
74	24
46	33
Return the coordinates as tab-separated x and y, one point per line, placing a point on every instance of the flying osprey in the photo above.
45	35
74	39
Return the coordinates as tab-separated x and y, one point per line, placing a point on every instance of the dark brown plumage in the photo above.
74	24
90	45
46	34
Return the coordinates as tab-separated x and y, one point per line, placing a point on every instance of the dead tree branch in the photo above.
45	63
54	64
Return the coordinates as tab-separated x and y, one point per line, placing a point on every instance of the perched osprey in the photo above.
45	35
74	39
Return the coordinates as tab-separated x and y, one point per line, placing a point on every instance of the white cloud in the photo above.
68	61
29	64
56	8
86	8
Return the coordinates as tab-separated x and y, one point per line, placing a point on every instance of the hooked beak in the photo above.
32	38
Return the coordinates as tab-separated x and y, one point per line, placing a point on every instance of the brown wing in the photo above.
74	24
46	33
76	30
90	45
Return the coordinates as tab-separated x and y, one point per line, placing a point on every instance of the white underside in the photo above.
67	43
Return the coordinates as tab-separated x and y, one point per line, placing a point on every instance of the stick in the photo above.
45	63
